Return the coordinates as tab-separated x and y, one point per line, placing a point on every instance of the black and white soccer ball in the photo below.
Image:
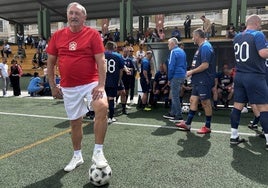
185	109
99	176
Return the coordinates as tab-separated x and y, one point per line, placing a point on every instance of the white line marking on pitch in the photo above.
121	123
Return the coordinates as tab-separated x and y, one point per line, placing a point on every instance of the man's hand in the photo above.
189	73
56	92
98	92
147	81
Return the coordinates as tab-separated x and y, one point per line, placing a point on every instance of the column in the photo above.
40	22
46	23
146	23
141	23
234	12
243	11
129	20
122	21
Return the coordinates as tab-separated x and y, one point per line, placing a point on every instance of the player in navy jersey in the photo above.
224	87
203	76
250	55
145	78
115	66
254	123
160	85
128	77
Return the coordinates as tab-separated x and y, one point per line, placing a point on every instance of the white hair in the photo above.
174	40
79	6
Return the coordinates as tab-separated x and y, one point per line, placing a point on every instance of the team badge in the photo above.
72	46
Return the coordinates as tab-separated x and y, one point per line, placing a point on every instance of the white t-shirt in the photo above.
4	69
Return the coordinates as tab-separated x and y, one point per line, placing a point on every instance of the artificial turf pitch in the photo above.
35	145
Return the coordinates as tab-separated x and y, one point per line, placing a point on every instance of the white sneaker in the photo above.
5	95
131	103
75	162
99	159
128	107
111	120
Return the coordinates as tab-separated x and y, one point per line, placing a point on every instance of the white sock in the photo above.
98	147
234	133
266	136
78	153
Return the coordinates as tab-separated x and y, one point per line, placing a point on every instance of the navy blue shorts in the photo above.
250	87
203	91
111	91
144	86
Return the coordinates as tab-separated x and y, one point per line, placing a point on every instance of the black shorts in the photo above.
111	91
144	86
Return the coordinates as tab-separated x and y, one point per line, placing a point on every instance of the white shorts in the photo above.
74	100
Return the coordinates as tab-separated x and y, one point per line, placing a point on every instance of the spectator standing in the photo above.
213	30
206	26
162	35
20	39
35	86
187	27
176	33
203	79
68	47
15	74
4	76
155	36
116	35
176	75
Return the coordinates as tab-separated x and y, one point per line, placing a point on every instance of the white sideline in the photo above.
121	123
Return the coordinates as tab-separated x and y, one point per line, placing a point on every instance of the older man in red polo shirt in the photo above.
80	54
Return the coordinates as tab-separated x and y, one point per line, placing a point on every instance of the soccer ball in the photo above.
99	176
185	109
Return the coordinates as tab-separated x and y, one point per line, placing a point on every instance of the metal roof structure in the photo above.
25	11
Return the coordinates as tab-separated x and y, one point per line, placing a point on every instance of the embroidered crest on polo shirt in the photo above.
72	46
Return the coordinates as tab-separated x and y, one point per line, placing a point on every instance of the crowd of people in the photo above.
10	77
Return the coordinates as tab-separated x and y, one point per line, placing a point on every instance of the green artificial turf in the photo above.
140	157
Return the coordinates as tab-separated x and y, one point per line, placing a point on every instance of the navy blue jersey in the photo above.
205	53
145	65
114	63
161	79
224	80
129	64
246	46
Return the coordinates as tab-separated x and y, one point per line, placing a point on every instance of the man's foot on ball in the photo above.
99	159
75	162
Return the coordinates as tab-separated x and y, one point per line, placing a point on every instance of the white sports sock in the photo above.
98	147
234	133
78	153
266	136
